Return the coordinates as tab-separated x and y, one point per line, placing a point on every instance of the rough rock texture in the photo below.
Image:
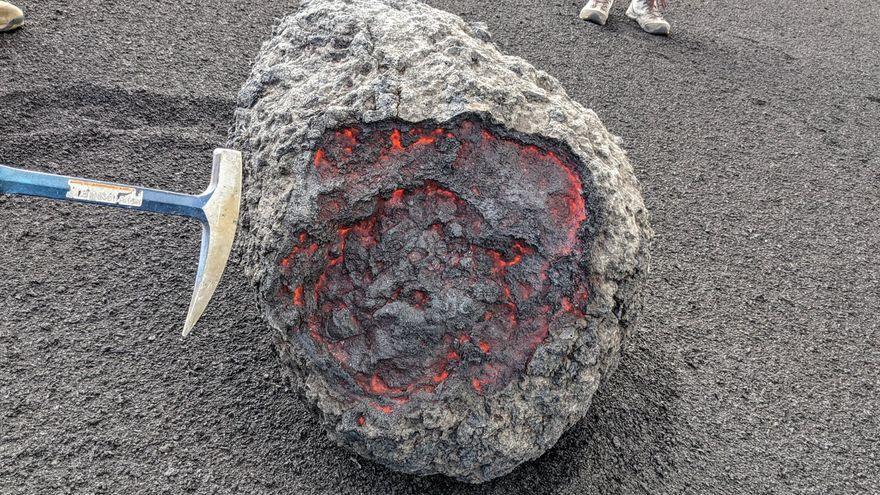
449	249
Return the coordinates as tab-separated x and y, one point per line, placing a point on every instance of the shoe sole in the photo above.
12	25
594	16
660	28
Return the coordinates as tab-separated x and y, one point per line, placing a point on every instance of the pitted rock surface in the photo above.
449	249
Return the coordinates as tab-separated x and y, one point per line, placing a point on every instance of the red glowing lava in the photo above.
441	280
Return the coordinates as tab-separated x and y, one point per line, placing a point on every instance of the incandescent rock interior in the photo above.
449	250
445	274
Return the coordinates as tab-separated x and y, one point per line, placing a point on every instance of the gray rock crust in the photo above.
337	63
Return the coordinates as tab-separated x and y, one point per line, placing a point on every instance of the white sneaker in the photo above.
597	11
648	15
11	17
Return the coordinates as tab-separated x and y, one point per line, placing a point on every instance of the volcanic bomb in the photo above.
449	249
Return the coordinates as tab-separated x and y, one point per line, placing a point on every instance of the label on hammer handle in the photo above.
83	190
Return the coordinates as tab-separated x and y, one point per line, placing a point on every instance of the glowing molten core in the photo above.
450	254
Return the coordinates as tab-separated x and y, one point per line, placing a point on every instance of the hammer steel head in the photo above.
218	230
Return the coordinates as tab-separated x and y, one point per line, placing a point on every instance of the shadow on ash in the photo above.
449	250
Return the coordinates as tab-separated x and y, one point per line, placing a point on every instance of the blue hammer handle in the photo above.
29	183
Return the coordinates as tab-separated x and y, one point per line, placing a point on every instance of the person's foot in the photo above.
649	16
596	11
11	17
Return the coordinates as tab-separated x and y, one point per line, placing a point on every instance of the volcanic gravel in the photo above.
753	132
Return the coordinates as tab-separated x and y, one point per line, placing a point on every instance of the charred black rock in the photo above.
449	249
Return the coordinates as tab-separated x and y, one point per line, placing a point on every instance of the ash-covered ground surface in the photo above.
753	132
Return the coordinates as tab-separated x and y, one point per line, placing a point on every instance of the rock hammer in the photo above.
217	209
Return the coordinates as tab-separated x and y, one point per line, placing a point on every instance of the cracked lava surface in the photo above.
442	258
